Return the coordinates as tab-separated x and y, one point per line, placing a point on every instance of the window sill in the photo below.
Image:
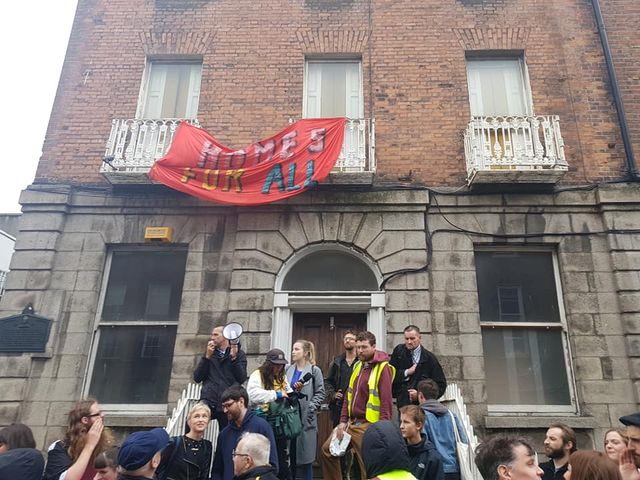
116	420
537	421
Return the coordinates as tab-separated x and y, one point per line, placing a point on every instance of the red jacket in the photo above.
361	391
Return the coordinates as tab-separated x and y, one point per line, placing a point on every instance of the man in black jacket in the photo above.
337	380
559	444
222	366
413	363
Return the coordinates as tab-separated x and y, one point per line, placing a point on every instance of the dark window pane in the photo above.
525	367
144	286
330	271
516	287
133	364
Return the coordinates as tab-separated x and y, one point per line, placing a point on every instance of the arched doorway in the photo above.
321	292
329	280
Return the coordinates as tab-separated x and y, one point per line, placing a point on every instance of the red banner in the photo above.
284	165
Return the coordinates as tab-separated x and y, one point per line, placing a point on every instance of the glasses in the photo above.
228	404
97	414
235	454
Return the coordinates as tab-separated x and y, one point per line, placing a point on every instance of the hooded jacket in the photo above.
228	439
361	391
438	427
384	450
426	463
22	464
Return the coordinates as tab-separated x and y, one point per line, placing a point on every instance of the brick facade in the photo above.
414	75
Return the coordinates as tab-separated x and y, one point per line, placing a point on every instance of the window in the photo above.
523	332
170	90
332	271
498	87
137	329
333	89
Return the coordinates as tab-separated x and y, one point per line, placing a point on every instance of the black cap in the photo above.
632	420
276	356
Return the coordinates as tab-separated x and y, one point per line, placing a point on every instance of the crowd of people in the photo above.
269	429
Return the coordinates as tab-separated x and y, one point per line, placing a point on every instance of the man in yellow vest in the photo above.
368	400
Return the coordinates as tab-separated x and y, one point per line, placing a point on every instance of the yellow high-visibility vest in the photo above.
396	475
372	410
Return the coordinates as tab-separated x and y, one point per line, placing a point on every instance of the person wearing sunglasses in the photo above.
251	458
72	458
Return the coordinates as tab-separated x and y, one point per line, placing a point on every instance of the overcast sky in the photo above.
33	42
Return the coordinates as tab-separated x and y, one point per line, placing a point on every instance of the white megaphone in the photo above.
232	332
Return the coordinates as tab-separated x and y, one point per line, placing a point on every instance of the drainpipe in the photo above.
631	161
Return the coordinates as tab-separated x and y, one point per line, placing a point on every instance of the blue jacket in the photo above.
439	430
228	439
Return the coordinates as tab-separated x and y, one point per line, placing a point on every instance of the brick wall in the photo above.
621	23
413	70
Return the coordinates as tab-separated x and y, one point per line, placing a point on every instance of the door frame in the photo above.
285	304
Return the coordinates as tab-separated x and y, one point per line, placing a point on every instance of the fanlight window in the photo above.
330	271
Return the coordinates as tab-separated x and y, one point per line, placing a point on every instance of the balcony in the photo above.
517	149
134	145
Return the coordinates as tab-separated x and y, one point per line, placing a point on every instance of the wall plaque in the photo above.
25	332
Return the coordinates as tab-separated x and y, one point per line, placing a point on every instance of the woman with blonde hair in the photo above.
615	441
188	457
72	457
591	465
307	380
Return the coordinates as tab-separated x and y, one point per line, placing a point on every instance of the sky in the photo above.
33	42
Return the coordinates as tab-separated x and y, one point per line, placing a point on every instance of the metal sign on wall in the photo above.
25	332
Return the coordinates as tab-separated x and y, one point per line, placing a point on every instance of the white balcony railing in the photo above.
134	145
514	148
358	149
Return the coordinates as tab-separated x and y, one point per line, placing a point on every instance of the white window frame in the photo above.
573	407
310	60
524	78
146	78
138	409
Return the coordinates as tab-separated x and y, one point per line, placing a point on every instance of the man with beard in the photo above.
559	444
414	363
368	401
336	385
234	401
337	380
630	458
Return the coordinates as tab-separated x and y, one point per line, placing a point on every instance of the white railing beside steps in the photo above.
178	420
453	400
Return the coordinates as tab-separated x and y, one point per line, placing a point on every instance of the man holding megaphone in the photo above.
223	364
